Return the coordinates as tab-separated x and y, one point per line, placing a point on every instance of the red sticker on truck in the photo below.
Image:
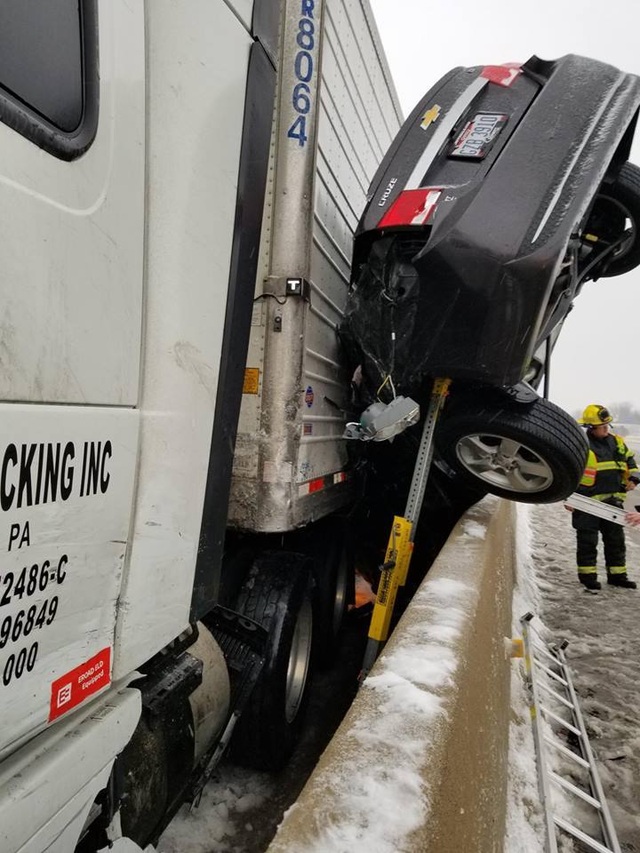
71	689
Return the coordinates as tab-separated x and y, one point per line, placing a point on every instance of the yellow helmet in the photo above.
594	415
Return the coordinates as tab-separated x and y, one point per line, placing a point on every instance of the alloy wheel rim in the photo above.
504	462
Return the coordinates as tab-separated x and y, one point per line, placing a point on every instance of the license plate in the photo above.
478	135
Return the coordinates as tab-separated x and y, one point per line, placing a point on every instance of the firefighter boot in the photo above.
589	580
621	580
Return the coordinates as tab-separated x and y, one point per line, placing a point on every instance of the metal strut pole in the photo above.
400	547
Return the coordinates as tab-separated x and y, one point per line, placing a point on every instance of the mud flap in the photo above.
243	642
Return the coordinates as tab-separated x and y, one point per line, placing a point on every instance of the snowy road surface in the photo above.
603	630
241	809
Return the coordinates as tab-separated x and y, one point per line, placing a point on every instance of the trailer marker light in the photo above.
320	483
412	207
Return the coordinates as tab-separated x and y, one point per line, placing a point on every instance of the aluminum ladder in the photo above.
598	508
556	715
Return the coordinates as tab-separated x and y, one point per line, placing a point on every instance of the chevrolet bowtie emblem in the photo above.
430	116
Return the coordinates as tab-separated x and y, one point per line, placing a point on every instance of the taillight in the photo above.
412	207
503	75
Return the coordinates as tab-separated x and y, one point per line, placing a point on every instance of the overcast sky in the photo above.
597	358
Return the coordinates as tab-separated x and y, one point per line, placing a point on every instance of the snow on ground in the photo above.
376	796
220	823
603	654
381	803
603	631
525	821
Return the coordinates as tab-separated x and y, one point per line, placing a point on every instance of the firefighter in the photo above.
610	471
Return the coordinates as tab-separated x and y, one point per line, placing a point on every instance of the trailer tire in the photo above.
334	590
614	206
531	454
278	594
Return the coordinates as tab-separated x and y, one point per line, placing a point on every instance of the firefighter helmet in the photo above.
594	415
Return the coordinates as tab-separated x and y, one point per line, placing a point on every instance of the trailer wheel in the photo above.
616	215
278	594
334	590
532	454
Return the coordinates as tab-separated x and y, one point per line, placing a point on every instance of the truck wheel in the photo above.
278	595
533	454
335	578
616	213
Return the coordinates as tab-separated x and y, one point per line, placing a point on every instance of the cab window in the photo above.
49	74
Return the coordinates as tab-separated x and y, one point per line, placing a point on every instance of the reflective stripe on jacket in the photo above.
609	465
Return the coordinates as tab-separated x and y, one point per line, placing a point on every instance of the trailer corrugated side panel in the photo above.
291	462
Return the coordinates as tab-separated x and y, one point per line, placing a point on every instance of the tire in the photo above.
531	454
617	210
278	594
334	589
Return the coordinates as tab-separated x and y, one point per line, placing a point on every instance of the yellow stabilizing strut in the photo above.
400	548
394	574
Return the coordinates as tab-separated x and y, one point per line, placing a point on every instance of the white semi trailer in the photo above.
179	184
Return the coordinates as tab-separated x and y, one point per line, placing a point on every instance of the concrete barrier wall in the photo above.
420	761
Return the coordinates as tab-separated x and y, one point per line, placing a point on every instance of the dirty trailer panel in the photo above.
290	459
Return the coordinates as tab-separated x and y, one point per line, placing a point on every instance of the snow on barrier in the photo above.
420	761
